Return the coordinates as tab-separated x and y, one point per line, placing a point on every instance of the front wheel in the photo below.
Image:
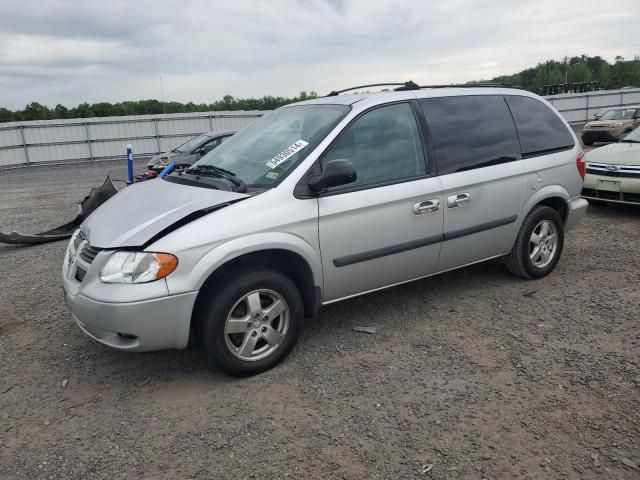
538	245
251	323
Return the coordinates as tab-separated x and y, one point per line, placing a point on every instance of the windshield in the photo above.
625	114
188	146
269	148
633	137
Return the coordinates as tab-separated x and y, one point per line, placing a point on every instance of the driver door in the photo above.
386	227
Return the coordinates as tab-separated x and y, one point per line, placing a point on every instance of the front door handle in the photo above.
458	200
427	206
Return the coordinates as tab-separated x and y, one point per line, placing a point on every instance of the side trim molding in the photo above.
385	251
479	228
421	242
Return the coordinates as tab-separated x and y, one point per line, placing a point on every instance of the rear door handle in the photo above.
426	206
458	200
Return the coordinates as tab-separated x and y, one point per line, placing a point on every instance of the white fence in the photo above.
581	107
57	141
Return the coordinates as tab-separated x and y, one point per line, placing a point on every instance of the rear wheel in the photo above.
538	245
251	323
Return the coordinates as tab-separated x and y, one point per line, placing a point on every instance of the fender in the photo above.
227	251
539	195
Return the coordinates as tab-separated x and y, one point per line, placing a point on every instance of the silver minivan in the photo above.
318	202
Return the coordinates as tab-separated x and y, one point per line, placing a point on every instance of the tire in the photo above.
233	326
519	261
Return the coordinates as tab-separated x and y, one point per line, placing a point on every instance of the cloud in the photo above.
69	52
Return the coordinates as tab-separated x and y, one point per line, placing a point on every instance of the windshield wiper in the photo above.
217	169
214	171
630	141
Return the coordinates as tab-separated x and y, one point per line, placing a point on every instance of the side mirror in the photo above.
597	117
334	173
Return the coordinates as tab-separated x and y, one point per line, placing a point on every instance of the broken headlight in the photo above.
137	267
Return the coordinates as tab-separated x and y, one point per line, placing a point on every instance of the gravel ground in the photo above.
474	372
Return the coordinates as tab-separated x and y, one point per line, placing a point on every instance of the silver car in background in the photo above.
318	202
189	152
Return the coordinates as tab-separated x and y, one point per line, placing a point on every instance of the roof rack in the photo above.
411	85
404	85
473	85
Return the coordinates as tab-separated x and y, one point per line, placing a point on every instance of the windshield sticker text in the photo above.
287	153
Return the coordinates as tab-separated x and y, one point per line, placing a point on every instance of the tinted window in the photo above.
471	132
210	145
539	128
384	145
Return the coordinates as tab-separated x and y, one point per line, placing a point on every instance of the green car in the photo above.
613	171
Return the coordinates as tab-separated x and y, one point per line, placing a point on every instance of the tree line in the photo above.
580	69
37	111
571	70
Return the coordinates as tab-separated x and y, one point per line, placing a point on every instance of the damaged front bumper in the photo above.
96	197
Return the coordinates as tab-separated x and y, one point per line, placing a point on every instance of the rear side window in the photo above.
540	129
471	132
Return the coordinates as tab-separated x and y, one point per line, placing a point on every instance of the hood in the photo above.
137	213
616	154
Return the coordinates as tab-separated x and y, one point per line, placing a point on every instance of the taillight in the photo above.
581	164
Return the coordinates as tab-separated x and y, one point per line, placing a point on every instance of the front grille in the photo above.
88	253
611	170
607	195
80	273
85	257
598	136
631	197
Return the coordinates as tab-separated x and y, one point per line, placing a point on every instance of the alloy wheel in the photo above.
257	325
543	244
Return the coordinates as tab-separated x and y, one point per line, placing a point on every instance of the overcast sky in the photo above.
69	52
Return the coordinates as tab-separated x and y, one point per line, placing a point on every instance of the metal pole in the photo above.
24	145
129	164
164	107
86	130
210	123
155	122
587	111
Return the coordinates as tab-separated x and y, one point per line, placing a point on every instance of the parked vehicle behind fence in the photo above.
189	152
613	171
321	201
612	125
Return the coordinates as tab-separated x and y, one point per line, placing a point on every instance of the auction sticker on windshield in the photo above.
287	153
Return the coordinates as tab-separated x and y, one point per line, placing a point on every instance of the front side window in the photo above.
192	144
471	132
266	150
626	114
210	145
384	145
539	128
